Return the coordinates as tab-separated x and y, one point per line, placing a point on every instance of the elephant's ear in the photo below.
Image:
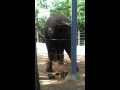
65	23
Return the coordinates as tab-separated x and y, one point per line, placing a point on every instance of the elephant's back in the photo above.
57	19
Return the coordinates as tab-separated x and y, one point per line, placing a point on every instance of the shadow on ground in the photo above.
60	83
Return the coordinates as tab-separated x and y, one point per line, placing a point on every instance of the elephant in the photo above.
57	38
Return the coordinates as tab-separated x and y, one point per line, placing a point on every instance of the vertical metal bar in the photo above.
74	37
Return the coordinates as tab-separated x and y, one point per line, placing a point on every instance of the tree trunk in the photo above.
37	36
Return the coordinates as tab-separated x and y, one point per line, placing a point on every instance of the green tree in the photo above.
41	22
42	4
39	25
81	14
64	7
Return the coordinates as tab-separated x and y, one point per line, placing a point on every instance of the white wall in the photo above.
41	49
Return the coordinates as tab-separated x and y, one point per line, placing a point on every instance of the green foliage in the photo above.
40	26
61	7
64	7
81	14
42	4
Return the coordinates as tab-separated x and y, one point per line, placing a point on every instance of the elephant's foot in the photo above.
49	67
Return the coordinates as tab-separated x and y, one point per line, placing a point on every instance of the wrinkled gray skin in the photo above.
57	36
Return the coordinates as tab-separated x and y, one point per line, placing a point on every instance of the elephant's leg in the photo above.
51	55
60	55
67	46
54	56
68	50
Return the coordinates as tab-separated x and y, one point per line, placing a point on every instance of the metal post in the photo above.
73	37
73	75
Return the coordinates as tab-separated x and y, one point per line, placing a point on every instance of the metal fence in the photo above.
81	38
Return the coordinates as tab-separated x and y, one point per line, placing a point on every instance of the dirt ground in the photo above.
60	83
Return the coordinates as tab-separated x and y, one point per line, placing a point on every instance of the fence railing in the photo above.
81	38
